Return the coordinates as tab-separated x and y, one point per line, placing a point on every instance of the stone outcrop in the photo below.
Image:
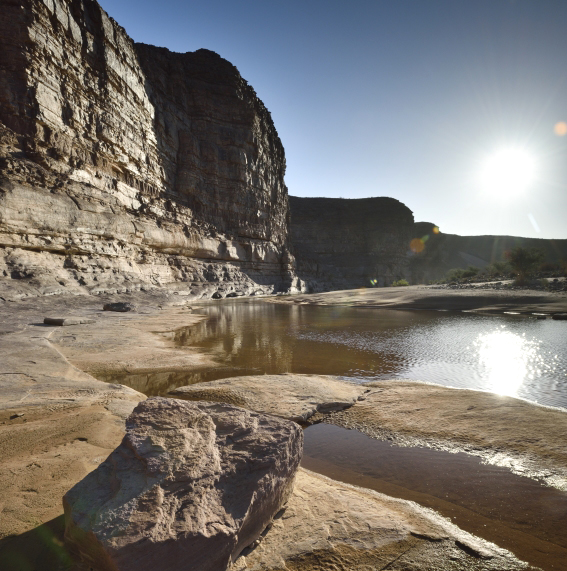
191	485
125	166
346	527
292	396
349	243
435	253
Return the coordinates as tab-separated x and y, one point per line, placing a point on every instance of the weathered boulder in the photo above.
292	396
190	486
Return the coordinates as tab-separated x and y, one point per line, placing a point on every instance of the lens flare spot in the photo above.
560	129
417	245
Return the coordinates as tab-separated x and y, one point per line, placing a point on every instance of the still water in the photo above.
511	355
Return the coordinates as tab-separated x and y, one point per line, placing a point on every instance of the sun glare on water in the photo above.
508	172
508	360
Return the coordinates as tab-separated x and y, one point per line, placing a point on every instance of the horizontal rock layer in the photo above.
191	485
126	166
348	243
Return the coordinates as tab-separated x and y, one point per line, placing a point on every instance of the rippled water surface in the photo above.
511	355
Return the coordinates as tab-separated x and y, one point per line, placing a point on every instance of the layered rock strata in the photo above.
125	166
191	485
349	243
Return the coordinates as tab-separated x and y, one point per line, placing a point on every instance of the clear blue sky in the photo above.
401	98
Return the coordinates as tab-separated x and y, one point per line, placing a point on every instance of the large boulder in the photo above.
190	486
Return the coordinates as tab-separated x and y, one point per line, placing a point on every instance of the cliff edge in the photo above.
124	166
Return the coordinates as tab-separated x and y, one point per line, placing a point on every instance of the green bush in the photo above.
497	269
400	283
524	262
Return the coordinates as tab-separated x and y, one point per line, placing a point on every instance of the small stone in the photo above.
559	316
17	415
120	306
66	321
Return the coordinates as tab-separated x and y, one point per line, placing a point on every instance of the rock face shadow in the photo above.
40	549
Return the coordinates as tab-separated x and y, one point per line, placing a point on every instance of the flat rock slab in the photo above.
191	485
333	526
527	438
296	397
66	321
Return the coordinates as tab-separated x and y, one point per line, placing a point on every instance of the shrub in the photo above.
524	262
400	283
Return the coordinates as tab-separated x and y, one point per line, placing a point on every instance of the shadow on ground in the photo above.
40	549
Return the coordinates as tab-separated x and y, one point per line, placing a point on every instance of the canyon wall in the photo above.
124	166
349	243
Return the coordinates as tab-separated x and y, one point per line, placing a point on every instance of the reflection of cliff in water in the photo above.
274	338
161	382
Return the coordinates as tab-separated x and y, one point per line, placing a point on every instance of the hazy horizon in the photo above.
406	99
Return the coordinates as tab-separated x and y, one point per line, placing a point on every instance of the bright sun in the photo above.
508	172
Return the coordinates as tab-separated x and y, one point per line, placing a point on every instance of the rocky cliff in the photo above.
348	243
434	253
124	166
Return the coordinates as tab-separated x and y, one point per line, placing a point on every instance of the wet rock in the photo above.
120	306
66	321
525	437
297	397
191	485
331	525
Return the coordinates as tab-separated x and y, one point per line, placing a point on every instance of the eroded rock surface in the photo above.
297	397
330	525
126	167
191	485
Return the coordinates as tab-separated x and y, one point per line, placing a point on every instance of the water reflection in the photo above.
510	355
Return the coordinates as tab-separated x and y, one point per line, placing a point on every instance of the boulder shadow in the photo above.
40	549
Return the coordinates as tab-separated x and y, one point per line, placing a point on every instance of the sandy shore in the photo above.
57	422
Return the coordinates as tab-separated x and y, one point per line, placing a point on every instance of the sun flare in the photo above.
508	172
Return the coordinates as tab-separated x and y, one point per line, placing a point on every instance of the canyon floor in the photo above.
58	422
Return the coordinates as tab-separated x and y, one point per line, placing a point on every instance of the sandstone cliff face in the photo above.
345	243
125	166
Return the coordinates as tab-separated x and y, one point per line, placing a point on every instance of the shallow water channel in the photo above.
512	355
